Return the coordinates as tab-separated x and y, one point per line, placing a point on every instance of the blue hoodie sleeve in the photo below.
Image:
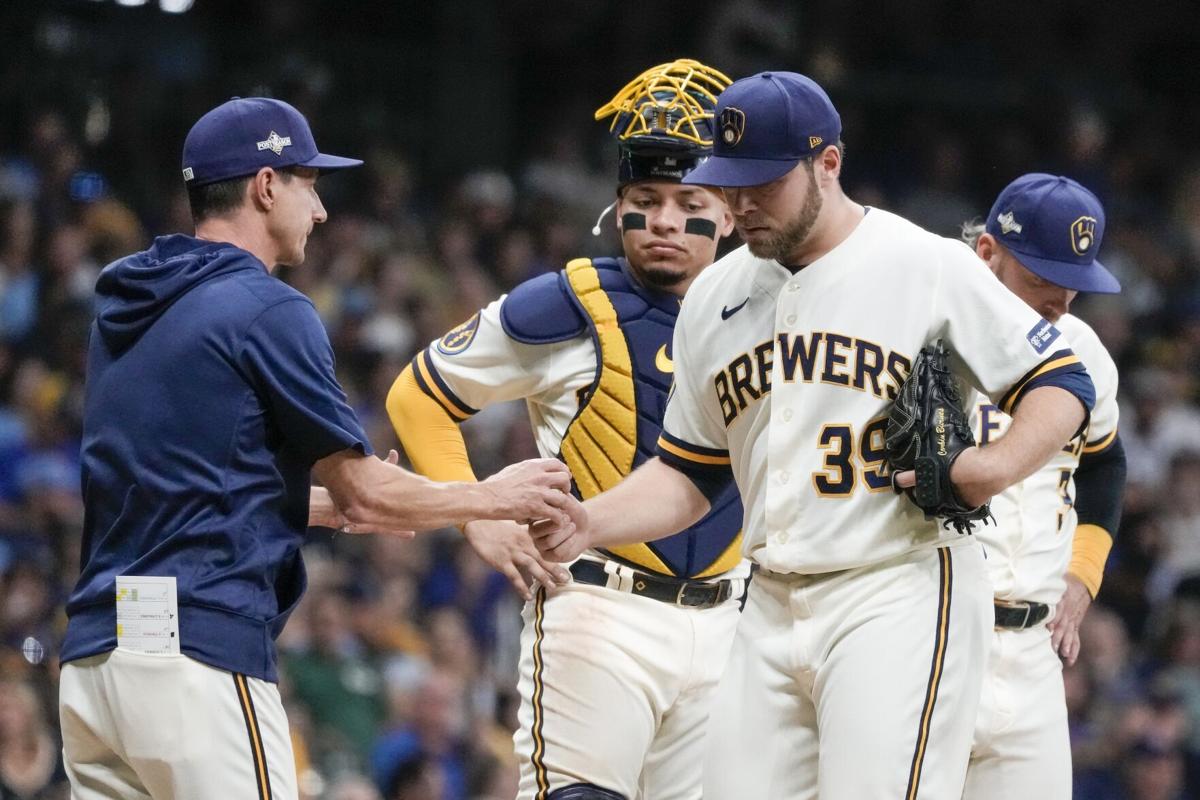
288	356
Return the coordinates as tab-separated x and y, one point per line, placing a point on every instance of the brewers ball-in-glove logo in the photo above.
733	125
460	337
1083	235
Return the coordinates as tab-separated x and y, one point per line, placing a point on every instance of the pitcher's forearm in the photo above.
656	500
1043	423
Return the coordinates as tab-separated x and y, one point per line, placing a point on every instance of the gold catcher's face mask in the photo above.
667	107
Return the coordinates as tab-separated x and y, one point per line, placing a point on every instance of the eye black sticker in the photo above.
633	221
701	227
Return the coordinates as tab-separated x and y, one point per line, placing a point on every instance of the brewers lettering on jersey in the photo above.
857	665
1053	530
618	669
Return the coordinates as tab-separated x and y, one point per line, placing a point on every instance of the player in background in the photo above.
618	668
1054	529
858	661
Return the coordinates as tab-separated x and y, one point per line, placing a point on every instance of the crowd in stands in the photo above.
399	667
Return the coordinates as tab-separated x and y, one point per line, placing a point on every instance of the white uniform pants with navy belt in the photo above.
1022	744
616	690
855	685
167	726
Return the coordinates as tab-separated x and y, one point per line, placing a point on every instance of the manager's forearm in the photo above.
656	500
372	493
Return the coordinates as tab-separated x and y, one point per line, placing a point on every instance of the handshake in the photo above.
545	525
521	521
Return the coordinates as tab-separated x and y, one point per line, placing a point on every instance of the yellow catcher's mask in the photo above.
667	108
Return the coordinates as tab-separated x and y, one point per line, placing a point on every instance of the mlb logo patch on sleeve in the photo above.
1041	336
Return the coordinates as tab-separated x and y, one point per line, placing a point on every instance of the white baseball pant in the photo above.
171	728
1022	744
616	690
858	684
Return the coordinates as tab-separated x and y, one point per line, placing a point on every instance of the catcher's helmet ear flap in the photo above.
668	107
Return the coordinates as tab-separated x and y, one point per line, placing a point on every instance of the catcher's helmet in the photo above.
663	120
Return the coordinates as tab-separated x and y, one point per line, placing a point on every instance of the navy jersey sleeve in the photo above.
290	362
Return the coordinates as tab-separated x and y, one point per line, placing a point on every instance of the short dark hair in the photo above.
222	197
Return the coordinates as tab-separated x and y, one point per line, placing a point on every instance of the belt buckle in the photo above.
706	595
681	598
1017	606
1025	619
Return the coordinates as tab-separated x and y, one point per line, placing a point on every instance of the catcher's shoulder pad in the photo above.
541	311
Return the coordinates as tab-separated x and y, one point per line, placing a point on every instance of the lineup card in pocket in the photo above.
147	614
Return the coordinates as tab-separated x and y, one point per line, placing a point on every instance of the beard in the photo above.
659	277
781	245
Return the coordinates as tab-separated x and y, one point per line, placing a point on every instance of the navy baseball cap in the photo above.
1053	226
245	134
766	125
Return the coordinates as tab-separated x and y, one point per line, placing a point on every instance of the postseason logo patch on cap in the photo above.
1041	336
275	143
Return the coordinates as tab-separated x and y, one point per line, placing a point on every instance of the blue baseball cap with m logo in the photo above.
1053	226
245	134
765	125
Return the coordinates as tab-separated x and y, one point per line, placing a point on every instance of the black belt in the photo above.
1018	616
693	594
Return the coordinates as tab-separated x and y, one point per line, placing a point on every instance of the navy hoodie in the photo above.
210	394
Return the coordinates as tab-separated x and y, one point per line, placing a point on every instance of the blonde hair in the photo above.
971	231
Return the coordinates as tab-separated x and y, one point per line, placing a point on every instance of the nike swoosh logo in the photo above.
663	361
728	312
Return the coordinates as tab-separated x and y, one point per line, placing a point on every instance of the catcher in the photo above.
617	668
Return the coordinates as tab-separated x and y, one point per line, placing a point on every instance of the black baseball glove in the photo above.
927	430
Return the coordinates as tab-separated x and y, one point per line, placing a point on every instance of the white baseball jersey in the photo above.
790	376
478	364
493	368
1029	547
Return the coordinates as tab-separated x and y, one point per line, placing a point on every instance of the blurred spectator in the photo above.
1157	423
403	654
424	754
354	787
30	759
1155	771
18	280
336	680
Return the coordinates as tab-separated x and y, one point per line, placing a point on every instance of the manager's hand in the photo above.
534	490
